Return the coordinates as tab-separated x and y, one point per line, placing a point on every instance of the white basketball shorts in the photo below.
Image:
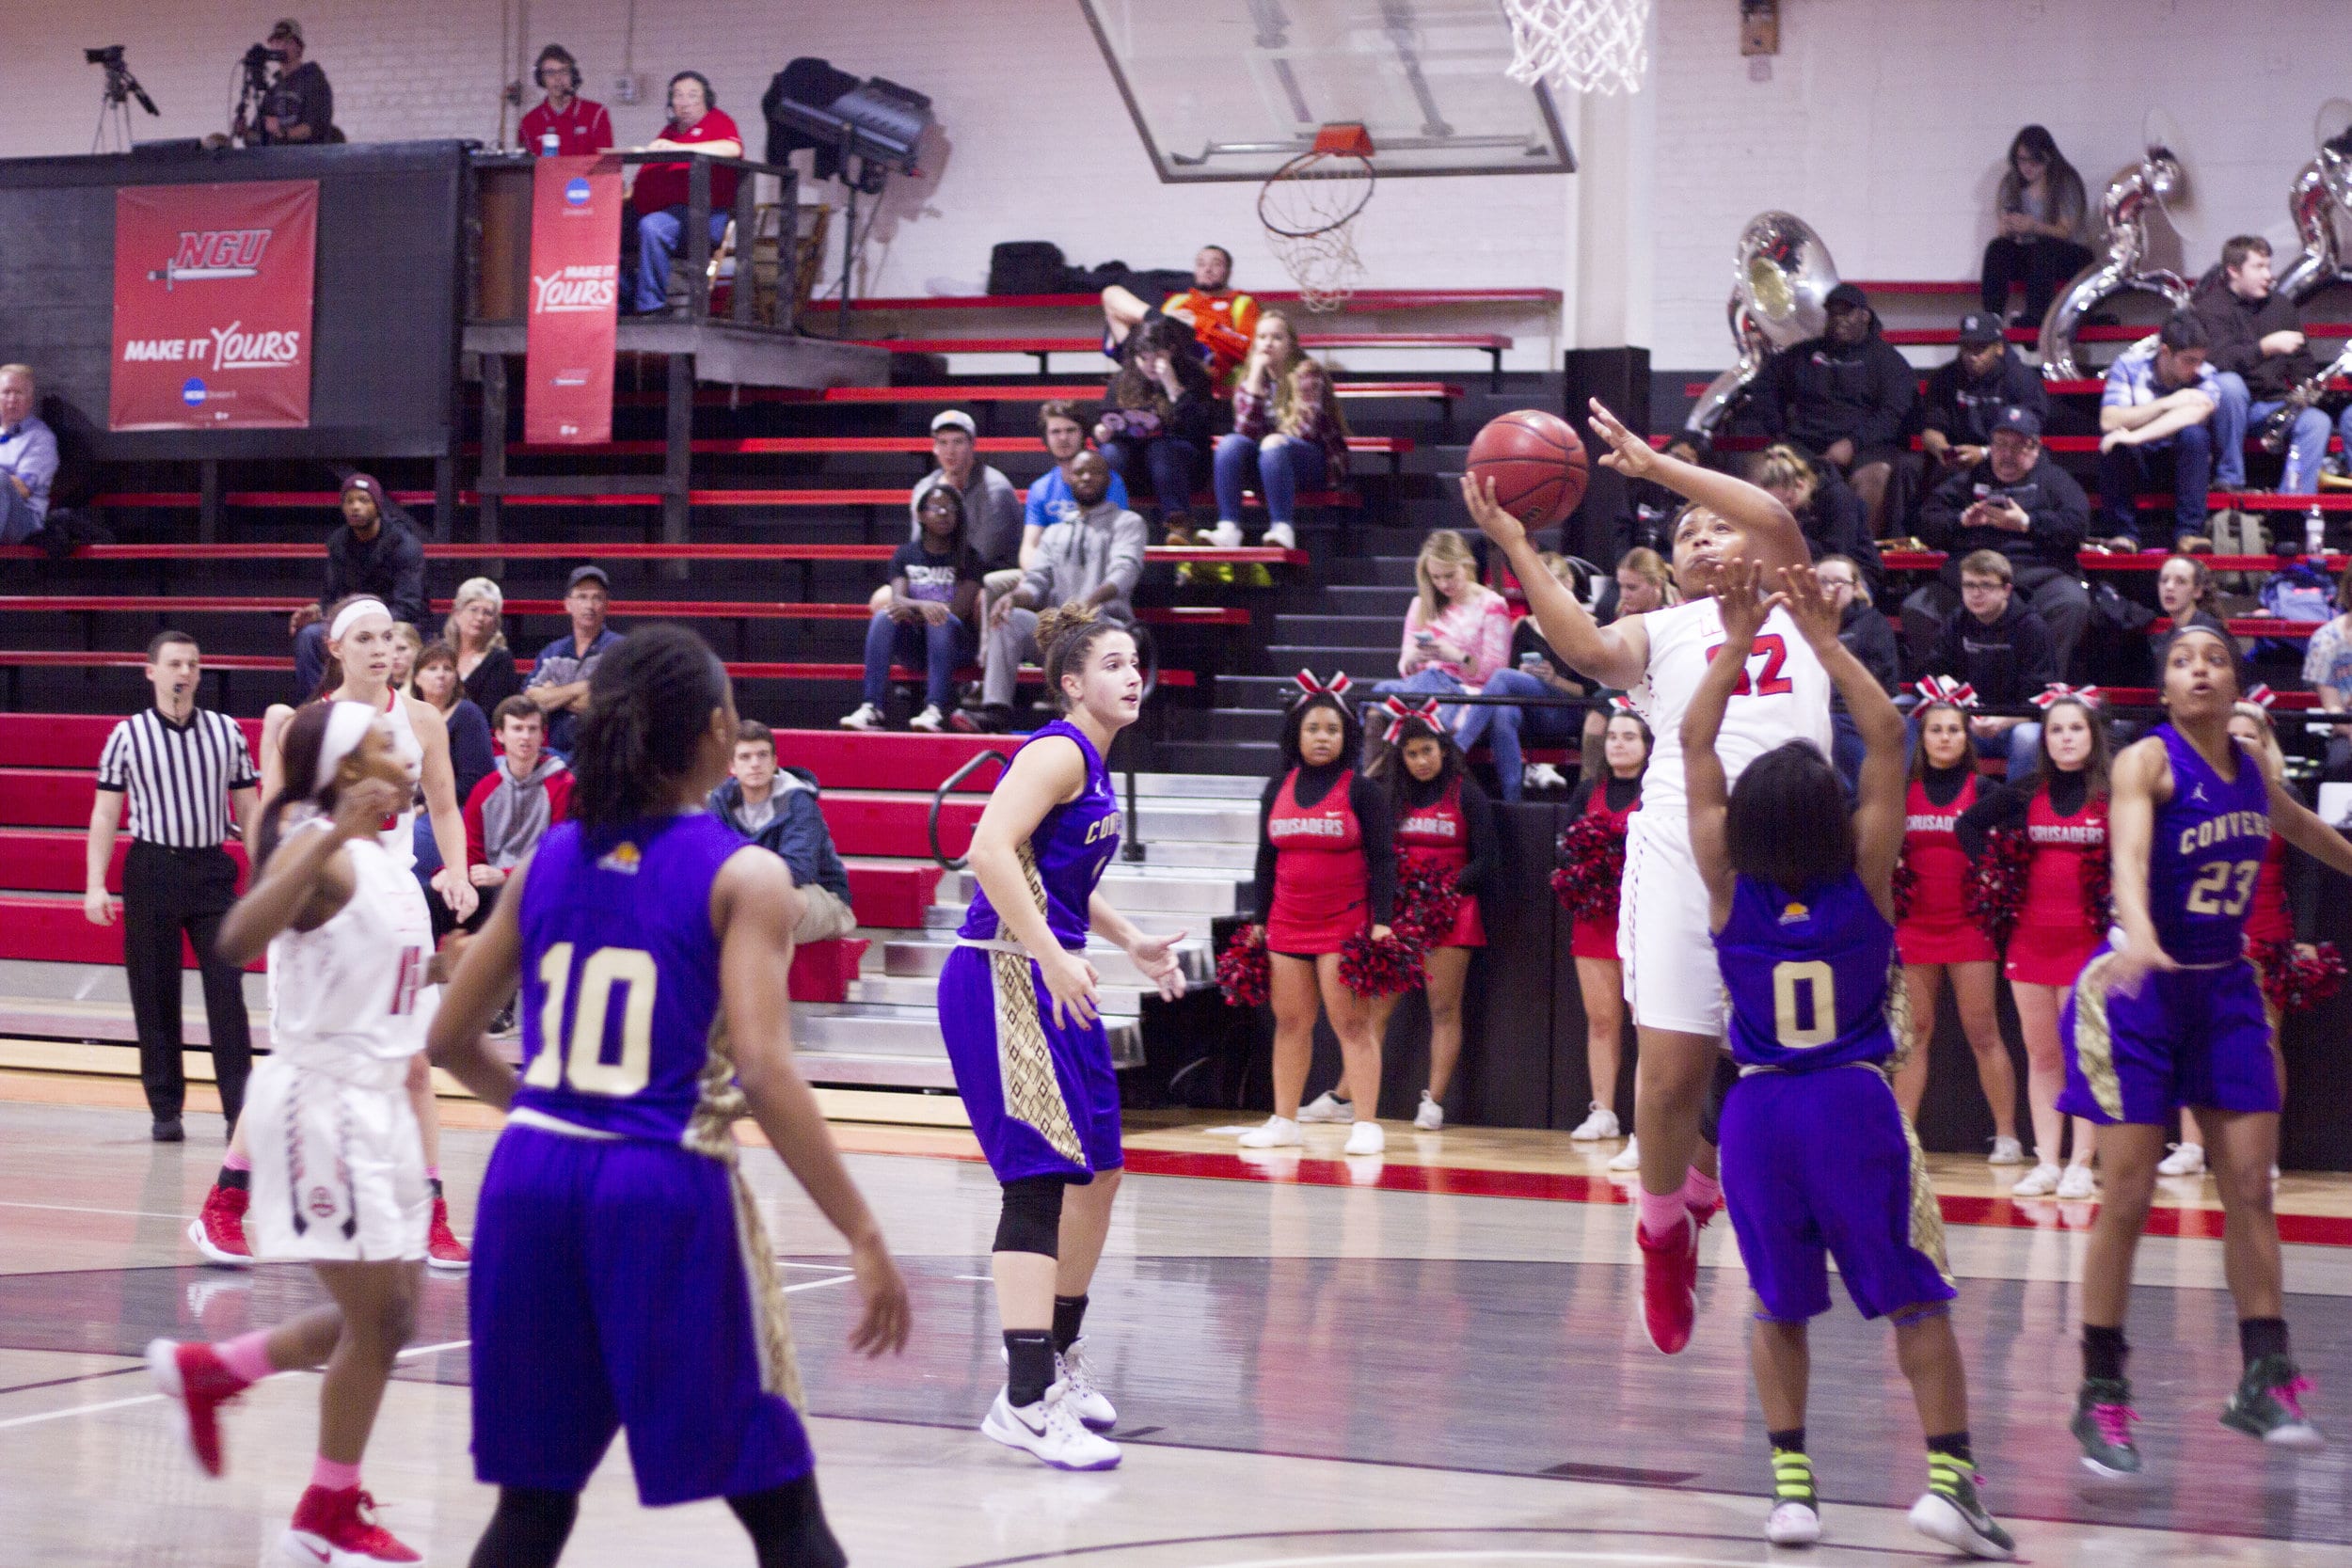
1670	978
338	1165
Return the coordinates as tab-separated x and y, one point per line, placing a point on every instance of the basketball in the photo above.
1536	461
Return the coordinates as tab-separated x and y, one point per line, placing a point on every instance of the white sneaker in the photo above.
2040	1182
1628	1158
1280	537
1602	1123
1541	775
1365	1137
2184	1160
1050	1429
2006	1151
867	716
1793	1524
1430	1117
2077	1185
1328	1106
930	721
1226	535
1074	1372
1278	1132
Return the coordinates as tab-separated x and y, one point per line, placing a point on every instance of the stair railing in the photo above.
939	798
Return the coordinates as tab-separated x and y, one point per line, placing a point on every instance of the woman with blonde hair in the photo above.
1287	426
1457	630
1829	512
1642	582
484	664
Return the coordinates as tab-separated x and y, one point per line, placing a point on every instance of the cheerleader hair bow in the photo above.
2058	692
1336	687
1943	689
1398	714
1624	705
2261	696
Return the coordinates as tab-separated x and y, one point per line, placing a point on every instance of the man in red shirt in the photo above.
697	124
581	124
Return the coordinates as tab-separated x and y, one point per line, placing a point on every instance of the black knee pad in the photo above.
788	1527
1711	1119
1031	1219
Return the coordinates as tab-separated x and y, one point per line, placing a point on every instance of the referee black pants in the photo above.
166	892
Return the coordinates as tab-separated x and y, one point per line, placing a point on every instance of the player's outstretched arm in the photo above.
1773	536
1041	777
1615	654
308	881
1881	788
457	1039
754	909
2302	827
1743	607
2141	779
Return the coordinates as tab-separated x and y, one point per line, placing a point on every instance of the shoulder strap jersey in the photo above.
1782	696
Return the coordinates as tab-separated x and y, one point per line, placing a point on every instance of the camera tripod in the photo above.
114	101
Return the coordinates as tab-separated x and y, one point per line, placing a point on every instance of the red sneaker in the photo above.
442	1249
1700	1219
338	1530
1669	1304
218	1231
192	1378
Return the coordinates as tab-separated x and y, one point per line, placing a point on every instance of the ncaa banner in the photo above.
575	291
213	304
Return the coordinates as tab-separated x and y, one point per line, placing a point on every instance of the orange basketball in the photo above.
1537	464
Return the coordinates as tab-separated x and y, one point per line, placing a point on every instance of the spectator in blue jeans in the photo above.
931	615
1155	420
2260	355
1535	670
660	195
1287	427
2160	397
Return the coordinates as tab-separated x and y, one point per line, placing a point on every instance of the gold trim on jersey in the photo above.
1926	1215
1025	1061
1898	1014
2094	1044
710	1131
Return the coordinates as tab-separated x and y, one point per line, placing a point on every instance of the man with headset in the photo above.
579	124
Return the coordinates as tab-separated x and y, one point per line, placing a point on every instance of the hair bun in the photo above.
1059	622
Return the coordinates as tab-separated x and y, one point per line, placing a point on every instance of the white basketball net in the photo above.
1587	46
1309	209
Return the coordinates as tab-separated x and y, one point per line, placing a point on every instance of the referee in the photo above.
181	769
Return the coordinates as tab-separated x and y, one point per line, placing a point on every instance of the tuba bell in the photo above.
2320	201
2124	210
1781	278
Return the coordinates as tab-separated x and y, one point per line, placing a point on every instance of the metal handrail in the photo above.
939	799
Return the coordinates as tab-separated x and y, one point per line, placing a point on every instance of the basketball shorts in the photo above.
1042	1096
611	1287
1671	979
2193	1037
338	1163
1821	1165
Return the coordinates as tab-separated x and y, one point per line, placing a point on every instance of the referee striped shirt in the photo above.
177	776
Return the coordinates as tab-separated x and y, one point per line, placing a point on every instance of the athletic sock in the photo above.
1791	1441
433	1179
2261	1336
1701	1192
1028	1365
235	1171
247	1356
332	1476
1661	1213
1070	1316
1954	1446
2103	1352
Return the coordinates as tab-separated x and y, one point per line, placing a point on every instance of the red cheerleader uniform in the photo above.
1935	928
2272	920
1322	885
2055	938
1435	838
1590	937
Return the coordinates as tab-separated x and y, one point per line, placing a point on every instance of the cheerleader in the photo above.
1326	871
1600	809
338	1165
1934	935
1445	837
2062	811
1017	1005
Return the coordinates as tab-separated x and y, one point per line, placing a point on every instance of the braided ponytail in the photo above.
649	703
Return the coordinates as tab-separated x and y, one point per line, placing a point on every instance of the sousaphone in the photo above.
1781	278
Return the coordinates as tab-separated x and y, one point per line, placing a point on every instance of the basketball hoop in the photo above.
1588	45
1308	208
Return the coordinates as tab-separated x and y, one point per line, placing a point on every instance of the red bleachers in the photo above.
894	496
1366	299
1031	392
827	446
1259	555
164	604
754	670
1042	349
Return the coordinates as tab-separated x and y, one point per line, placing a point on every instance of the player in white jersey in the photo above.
339	1167
1662	932
359	642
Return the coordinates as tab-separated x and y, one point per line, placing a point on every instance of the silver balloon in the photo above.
1781	278
2125	209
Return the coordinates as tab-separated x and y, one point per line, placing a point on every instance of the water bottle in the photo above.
2314	531
549	144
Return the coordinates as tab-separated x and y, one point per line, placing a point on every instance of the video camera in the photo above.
110	56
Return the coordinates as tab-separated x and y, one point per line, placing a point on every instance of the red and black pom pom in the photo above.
1592	867
1995	891
1243	971
1428	903
2294	982
1906	882
2098	892
1389	967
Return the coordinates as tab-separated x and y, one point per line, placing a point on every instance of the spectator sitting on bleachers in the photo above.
2259	353
2160	397
697	124
2328	670
408	643
1155	428
1221	321
527	792
1457	630
581	124
1867	635
1095	557
1535	670
1998	645
2016	501
1064	431
1844	397
776	809
1957	410
558	677
1287	425
932	617
372	555
991	506
28	458
484	662
2041	209
1825	506
1642	582
2186	593
432	678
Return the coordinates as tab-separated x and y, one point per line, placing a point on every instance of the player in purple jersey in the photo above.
1817	1161
2169	1013
1017	1007
621	1276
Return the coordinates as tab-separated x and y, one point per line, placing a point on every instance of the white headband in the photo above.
351	612
347	724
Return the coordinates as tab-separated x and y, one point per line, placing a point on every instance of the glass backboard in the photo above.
1233	89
